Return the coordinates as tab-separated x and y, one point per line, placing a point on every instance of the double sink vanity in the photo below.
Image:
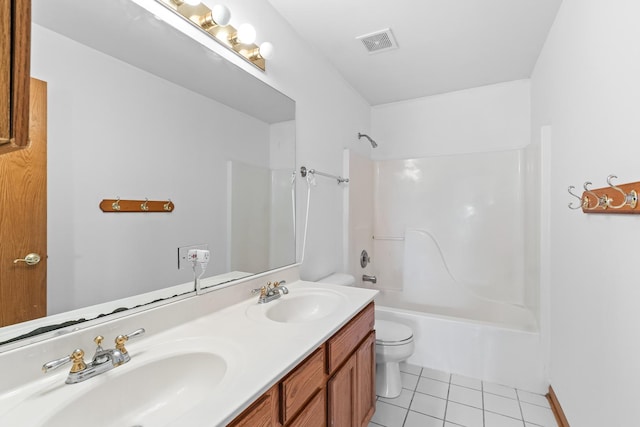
221	358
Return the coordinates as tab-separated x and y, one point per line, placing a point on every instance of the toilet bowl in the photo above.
394	344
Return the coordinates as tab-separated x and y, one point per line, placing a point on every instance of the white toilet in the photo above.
394	344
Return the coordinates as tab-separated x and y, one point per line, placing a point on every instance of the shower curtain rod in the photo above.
304	171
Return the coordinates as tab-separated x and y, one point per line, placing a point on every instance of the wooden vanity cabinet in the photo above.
334	386
262	413
15	51
351	387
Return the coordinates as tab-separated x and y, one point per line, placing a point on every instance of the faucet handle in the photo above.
77	357
281	282
121	339
262	291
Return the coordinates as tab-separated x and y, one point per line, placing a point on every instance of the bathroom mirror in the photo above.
136	109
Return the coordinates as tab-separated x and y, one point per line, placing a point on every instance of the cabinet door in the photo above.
263	413
15	47
342	396
366	380
314	414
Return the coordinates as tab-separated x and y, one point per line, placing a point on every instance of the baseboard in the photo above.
557	409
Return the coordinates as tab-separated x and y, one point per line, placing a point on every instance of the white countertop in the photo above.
257	352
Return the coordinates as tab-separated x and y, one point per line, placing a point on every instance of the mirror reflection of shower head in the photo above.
373	143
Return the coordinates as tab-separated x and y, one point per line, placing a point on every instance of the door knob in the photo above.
31	259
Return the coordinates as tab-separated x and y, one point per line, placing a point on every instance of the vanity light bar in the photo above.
214	22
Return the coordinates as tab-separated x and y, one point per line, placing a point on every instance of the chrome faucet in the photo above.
372	279
271	291
102	361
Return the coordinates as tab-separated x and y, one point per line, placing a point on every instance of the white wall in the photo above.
487	118
329	115
586	87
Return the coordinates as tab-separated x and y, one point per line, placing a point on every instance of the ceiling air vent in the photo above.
379	41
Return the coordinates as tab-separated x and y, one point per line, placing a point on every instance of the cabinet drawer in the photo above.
301	384
314	414
262	413
345	341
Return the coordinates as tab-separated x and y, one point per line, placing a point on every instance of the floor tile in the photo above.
428	405
497	420
404	400
465	396
410	369
466	382
500	390
433	387
389	415
538	415
502	405
464	415
415	419
436	375
536	399
409	381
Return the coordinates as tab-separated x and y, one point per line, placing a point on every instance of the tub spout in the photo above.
372	279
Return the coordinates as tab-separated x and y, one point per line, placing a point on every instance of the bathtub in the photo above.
494	342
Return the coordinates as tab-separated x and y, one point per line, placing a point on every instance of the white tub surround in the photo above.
257	352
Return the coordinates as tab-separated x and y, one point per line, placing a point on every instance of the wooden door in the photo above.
366	375
23	219
342	396
15	45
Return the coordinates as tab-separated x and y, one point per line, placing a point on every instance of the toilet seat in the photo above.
392	333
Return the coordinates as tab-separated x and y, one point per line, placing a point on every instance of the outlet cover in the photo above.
182	255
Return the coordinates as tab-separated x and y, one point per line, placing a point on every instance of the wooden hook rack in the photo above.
141	206
614	199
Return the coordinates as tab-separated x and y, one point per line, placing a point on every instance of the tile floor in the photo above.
432	398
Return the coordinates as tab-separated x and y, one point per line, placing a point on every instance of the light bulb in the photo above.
266	50
246	34
221	14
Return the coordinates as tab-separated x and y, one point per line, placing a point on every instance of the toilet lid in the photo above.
392	332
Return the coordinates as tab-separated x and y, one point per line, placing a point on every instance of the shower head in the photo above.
373	143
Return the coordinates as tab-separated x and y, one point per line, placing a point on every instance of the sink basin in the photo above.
147	391
152	394
300	305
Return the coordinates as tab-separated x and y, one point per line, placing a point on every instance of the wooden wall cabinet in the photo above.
15	51
335	386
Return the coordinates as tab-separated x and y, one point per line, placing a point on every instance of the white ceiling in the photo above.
444	45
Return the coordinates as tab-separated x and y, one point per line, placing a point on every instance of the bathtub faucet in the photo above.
372	279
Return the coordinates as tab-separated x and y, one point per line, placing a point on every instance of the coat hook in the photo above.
583	202
116	205
144	206
601	201
167	206
630	199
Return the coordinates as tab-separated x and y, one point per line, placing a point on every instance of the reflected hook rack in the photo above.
141	206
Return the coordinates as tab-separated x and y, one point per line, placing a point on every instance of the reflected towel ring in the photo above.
583	202
630	199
